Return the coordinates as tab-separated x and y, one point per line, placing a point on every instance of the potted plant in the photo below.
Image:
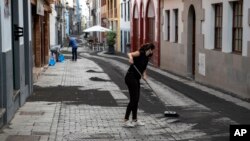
111	41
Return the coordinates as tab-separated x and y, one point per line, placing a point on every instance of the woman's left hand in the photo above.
144	76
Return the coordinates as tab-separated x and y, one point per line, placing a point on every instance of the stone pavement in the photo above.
61	121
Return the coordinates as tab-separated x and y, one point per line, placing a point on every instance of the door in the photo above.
42	24
15	46
1	76
151	29
136	34
193	46
191	42
141	25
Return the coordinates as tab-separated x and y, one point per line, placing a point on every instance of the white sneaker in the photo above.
128	124
138	123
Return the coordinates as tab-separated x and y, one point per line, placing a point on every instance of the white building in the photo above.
53	27
16	82
125	24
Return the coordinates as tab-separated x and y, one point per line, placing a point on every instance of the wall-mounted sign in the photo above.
202	64
6	8
39	7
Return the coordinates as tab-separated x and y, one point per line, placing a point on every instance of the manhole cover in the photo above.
31	113
22	138
97	79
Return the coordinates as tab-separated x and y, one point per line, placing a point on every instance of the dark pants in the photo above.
74	54
133	84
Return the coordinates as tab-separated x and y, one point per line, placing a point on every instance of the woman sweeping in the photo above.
139	61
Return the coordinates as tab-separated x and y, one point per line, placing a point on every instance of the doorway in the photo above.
15	47
141	25
136	34
191	48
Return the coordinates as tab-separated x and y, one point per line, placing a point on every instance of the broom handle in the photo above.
149	85
145	80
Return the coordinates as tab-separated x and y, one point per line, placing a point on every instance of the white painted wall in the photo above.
208	25
171	5
53	29
5	28
246	30
20	13
30	25
125	25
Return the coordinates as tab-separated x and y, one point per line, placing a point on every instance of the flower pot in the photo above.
111	49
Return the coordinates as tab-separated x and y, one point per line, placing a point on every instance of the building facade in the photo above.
53	26
145	25
60	7
104	18
113	8
16	57
125	25
208	41
41	34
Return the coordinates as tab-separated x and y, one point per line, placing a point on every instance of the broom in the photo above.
167	113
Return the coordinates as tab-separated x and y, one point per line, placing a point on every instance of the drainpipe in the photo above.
159	33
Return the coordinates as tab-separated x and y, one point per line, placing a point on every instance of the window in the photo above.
218	26
237	26
176	25
115	4
167	25
122	39
128	10
103	2
128	36
121	10
125	11
125	38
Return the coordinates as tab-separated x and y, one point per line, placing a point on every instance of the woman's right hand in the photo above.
131	60
131	55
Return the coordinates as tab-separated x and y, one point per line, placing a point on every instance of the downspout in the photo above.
159	33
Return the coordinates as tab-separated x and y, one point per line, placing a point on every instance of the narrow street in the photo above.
87	99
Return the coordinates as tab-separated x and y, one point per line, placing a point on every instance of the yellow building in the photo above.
113	17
